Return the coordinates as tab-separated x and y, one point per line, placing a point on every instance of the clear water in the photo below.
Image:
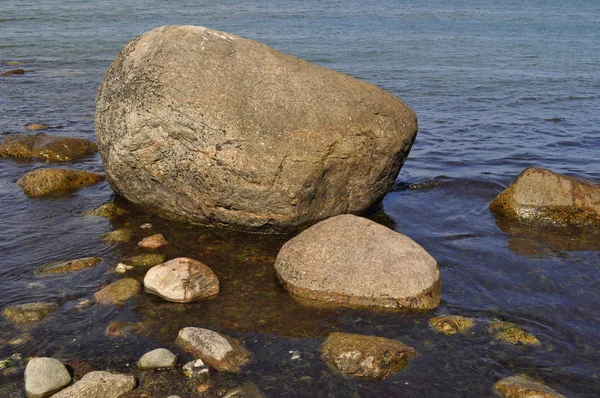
497	86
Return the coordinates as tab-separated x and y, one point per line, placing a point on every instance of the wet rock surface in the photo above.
351	261
12	72
56	182
153	242
511	333
368	357
147	259
219	351
118	291
521	386
240	161
99	384
46	147
451	324
109	210
182	280
45	376
60	267
543	197
121	235
29	312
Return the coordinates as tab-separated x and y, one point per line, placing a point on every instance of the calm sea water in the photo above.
497	86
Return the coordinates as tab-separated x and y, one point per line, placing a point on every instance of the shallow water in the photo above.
497	87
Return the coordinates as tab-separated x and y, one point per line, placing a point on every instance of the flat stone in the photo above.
153	242
451	324
521	386
350	261
513	334
50	148
182	280
35	127
157	359
367	357
29	313
12	72
147	259
109	210
219	351
543	197
99	384
45	376
248	390
56	182
60	267
118	291
121	235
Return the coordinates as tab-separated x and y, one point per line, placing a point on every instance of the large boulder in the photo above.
207	127
351	261
46	147
543	197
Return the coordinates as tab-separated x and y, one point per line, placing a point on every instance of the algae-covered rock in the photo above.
59	267
543	197
521	386
118	291
513	334
29	312
222	352
451	324
56	182
109	210
121	235
46	147
35	126
367	357
147	259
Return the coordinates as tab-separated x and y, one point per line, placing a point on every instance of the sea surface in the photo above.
497	86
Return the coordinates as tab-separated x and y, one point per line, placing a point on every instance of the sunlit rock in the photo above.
46	147
451	324
513	334
12	72
367	357
56	182
99	384
45	376
118	291
521	386
153	242
35	127
160	358
351	261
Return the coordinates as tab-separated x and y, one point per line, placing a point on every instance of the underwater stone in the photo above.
513	334
29	312
118	291
121	235
51	148
451	324
59	267
521	386
153	242
53	182
109	210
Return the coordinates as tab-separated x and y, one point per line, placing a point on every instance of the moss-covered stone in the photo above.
109	210
451	324
121	235
56	182
29	312
46	147
513	334
118	291
59	267
147	260
521	386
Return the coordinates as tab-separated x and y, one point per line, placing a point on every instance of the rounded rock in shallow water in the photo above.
153	242
99	384
45	376
59	267
521	386
35	127
29	312
51	148
147	259
12	72
513	334
121	235
55	182
109	210
160	358
451	324
118	291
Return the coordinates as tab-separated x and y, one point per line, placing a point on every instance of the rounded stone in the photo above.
118	291
59	267
157	359
155	241
46	147
99	384
521	386
351	261
45	376
182	280
53	182
29	312
236	134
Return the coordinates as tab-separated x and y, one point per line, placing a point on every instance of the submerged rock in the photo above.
513	334
153	242
219	351
182	280
121	235
451	324
54	182
160	358
147	259
118	291
59	267
521	386
124	329
12	72
248	390
351	261
250	139
45	376
123	268
368	357
109	210
47	147
99	384
35	127
29	312
543	197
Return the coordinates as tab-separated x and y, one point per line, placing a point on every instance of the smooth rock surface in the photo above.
367	357
54	182
118	291
236	134
46	147
182	280
45	376
99	384
60	267
219	351
543	197
521	386
157	359
155	241
351	261
29	312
